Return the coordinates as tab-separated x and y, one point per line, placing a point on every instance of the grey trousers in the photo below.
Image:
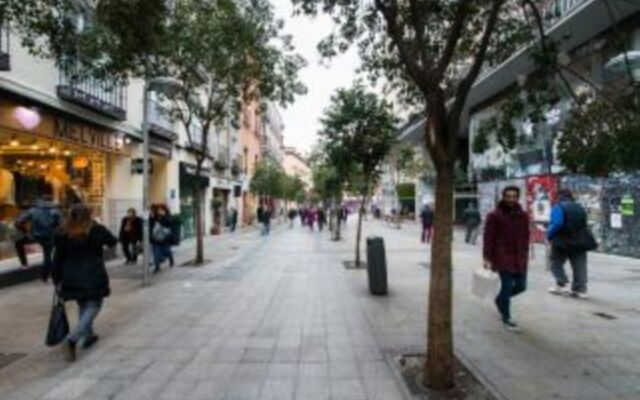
578	263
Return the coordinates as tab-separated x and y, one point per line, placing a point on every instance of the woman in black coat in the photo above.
162	235
79	272
131	235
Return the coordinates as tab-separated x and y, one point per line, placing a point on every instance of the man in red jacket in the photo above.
506	250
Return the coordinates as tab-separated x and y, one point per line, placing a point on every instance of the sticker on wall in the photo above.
616	221
627	206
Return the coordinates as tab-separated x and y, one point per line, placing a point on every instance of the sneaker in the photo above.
580	295
559	290
69	350
511	326
90	341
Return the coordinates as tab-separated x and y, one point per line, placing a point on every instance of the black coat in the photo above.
78	265
136	234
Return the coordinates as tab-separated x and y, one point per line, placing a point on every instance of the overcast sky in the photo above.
301	119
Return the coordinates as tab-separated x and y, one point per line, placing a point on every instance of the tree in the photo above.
359	132
268	180
429	53
293	188
224	53
402	162
328	186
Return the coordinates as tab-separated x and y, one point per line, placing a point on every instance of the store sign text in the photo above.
85	135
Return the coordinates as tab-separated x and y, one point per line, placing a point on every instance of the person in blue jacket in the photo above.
570	240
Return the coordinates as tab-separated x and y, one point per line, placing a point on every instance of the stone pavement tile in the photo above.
375	370
312	389
142	389
344	370
280	389
368	353
341	353
286	354
257	354
347	389
105	389
210	389
313	370
70	389
382	389
548	387
623	385
313	353
229	354
243	389
177	389
282	371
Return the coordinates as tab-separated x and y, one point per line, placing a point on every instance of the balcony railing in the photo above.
160	120
554	10
105	97
237	165
5	64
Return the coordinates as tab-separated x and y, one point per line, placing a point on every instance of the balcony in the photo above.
222	159
554	10
107	98
160	121
236	166
5	64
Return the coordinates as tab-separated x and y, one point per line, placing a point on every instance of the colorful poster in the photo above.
541	194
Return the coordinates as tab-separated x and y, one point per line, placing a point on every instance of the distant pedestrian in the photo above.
322	219
472	220
44	220
570	240
162	234
311	217
79	272
233	219
266	221
426	220
292	217
506	250
131	236
344	215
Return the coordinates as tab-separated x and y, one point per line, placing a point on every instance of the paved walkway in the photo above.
280	318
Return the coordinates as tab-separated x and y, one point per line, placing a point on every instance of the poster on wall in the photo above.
541	194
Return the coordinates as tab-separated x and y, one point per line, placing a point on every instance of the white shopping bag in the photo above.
485	283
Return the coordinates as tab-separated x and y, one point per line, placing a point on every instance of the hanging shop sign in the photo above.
627	206
160	147
137	165
86	135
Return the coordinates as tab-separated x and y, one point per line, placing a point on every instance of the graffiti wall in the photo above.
588	191
621	216
541	194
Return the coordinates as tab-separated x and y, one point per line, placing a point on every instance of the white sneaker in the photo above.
580	295
511	326
559	290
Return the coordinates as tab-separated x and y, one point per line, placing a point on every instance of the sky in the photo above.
302	119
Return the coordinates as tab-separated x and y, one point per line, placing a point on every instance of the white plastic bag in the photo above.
485	283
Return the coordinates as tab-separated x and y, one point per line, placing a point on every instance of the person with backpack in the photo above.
570	240
130	236
79	273
45	219
472	219
162	235
506	251
426	218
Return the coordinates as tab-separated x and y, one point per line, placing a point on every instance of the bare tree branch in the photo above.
453	37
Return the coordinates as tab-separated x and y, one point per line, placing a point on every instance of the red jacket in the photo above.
506	239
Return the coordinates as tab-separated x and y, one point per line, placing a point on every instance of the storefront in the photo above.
43	153
188	182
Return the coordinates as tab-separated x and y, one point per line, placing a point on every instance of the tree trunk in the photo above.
438	372
197	206
359	231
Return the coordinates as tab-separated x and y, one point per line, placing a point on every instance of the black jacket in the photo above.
135	234
426	216
78	265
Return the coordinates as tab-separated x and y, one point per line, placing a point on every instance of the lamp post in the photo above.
160	85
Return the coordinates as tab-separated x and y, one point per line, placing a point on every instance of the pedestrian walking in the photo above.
506	250
472	220
162	234
292	217
570	240
311	218
233	219
44	220
79	272
322	219
344	215
426	219
131	236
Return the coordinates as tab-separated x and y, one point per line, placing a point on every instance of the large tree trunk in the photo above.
439	373
197	206
359	231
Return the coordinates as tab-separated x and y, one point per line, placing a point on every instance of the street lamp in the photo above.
168	86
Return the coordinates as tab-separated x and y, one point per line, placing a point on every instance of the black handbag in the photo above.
58	322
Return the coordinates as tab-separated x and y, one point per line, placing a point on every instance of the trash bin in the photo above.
376	266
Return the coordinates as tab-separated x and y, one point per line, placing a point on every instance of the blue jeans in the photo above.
88	310
511	285
161	252
266	227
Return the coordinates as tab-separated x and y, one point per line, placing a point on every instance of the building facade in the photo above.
295	164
